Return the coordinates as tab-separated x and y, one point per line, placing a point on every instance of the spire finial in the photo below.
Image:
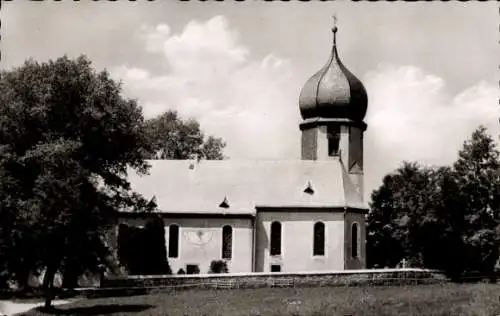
334	29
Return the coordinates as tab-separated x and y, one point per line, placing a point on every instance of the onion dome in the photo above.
333	92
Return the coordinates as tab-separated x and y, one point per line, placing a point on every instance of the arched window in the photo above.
333	135
319	239
275	239
354	240
173	241
227	242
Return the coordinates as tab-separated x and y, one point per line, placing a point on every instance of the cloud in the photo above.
253	103
413	117
154	37
205	45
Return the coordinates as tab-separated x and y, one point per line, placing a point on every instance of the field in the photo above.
447	299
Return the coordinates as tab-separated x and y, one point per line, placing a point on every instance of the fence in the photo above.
136	285
172	283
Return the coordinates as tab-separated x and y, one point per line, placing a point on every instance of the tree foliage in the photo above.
478	180
444	218
67	137
142	250
173	138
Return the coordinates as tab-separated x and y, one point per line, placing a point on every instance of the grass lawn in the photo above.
448	299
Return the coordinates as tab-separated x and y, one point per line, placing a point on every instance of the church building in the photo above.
270	216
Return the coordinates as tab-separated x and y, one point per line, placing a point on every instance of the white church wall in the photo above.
344	144
297	241
200	241
322	142
202	249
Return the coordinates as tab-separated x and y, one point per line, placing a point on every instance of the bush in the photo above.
194	269
181	271
154	246
142	250
218	266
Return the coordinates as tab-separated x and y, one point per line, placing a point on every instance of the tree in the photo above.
478	178
395	212
137	258
444	218
156	252
67	137
173	138
439	241
124	250
132	250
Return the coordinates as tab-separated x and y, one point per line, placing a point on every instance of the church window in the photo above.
173	241
275	268
275	239
227	242
354	240
319	239
333	135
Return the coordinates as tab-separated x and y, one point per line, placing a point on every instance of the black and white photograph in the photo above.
185	157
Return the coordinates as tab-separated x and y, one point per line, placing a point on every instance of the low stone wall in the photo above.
282	279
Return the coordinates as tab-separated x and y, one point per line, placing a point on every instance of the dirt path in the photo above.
10	308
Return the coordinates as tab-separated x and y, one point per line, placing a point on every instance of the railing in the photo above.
172	283
134	285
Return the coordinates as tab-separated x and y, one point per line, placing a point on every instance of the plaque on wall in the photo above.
198	237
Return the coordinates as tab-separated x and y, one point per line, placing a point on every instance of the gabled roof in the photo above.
240	187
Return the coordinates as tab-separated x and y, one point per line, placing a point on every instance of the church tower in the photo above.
333	104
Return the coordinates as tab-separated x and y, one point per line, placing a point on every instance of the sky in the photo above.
431	69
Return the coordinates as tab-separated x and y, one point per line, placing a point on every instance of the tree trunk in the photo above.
48	286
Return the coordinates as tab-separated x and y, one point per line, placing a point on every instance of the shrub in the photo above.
142	250
181	271
154	246
192	269
218	266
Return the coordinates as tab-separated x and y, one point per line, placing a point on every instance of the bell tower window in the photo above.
354	240
333	135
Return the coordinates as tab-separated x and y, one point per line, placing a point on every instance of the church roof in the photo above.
240	187
333	92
